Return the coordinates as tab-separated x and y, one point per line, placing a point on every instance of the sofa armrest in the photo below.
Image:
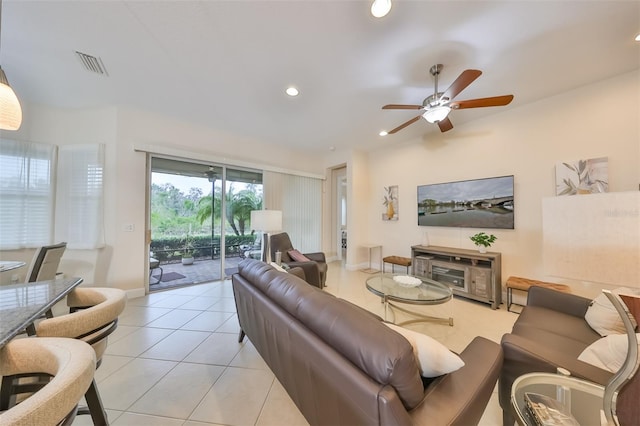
524	356
461	397
316	257
567	303
298	272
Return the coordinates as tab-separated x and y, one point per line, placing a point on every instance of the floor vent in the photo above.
92	63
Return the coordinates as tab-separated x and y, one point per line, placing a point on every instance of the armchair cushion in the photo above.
297	256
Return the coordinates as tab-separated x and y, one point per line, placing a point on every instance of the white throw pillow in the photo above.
603	317
433	357
607	353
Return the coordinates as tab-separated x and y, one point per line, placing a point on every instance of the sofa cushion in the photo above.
433	357
603	317
557	323
607	353
356	334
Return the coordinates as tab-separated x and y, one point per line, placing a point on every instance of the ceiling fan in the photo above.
436	108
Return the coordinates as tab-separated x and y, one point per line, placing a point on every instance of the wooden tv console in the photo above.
469	273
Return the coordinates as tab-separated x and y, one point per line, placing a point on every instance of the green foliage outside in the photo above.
177	217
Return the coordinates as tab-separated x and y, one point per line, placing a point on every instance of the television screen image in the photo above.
478	203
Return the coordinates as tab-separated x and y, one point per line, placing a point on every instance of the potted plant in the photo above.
187	249
482	241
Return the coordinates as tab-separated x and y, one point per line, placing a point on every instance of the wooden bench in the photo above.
396	260
523	284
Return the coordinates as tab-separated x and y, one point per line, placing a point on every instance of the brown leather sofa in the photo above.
550	332
342	366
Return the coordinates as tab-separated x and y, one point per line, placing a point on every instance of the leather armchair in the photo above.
315	269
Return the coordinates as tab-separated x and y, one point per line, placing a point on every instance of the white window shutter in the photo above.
79	196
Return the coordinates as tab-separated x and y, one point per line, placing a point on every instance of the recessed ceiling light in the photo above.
380	8
383	133
638	37
292	91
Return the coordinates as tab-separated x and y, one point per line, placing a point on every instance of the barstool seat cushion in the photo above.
105	304
72	364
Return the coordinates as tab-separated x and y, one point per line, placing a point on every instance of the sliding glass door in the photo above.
199	216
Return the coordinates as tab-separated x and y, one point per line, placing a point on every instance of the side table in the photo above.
372	247
584	399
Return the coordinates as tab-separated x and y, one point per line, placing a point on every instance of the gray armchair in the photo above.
315	269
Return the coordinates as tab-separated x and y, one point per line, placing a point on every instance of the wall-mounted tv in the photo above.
477	203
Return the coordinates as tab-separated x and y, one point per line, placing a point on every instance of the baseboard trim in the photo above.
135	293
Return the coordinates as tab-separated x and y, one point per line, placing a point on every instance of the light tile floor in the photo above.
175	358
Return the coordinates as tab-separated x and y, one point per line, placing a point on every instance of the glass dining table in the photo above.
21	304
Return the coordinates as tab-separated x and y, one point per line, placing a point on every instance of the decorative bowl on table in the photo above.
407	281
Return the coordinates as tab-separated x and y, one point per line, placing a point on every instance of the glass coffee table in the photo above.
411	290
584	400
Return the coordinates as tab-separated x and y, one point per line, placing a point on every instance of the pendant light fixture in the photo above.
380	8
10	110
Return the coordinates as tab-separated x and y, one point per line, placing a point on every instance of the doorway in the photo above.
339	212
199	220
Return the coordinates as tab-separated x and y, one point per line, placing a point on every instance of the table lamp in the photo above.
266	221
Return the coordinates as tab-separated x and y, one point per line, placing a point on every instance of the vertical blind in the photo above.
300	199
26	194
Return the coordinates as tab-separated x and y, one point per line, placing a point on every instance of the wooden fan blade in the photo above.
466	78
445	125
394	106
405	124
482	102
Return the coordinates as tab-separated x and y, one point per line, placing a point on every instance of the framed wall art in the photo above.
390	203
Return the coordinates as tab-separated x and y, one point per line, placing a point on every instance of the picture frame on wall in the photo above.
588	176
390	203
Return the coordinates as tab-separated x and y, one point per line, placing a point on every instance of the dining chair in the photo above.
93	317
69	366
44	265
155	264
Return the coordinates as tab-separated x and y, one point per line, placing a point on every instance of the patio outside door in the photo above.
199	220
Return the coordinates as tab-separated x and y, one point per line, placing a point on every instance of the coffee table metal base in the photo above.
388	306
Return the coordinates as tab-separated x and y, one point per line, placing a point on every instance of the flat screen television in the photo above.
477	203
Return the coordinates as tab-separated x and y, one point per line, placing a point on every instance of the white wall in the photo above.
123	262
64	127
526	141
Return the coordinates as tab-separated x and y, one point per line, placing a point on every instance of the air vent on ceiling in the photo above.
92	63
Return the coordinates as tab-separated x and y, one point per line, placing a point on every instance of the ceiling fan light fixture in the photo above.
437	113
10	110
380	8
383	133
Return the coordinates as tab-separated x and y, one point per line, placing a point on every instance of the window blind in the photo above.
26	194
300	199
79	200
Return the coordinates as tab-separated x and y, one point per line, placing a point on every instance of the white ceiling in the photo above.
226	64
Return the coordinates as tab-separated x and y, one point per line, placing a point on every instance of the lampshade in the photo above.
380	8
437	113
266	220
10	110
